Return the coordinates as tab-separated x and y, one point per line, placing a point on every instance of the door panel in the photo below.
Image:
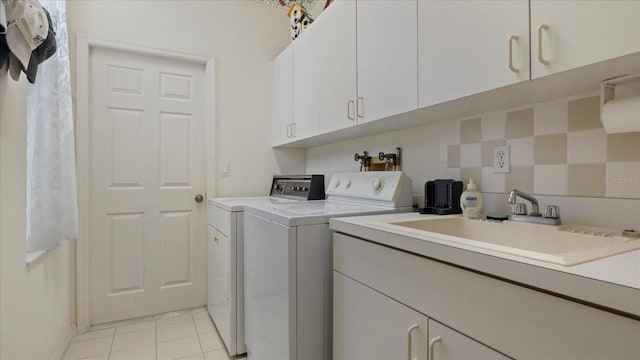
147	234
387	58
370	325
581	35
463	47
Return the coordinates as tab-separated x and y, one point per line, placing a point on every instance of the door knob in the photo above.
199	198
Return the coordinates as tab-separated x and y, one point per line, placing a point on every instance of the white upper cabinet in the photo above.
387	58
324	71
570	34
282	97
467	47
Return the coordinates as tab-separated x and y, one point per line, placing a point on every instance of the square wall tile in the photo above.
521	178
493	126
549	119
623	180
453	156
448	134
521	151
519	124
586	146
623	147
584	114
470	155
449	173
495	183
487	151
470	131
550	149
474	173
586	180
550	179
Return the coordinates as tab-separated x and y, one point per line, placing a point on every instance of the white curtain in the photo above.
52	213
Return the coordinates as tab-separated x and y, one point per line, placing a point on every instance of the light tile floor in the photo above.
190	336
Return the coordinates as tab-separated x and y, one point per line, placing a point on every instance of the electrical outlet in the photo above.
501	159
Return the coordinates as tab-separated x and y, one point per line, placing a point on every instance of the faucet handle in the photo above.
552	212
520	209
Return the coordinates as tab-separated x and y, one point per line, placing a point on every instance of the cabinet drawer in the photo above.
518	321
220	219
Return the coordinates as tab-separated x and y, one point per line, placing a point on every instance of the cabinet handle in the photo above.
540	57
432	345
293	130
359	102
288	131
409	331
511	67
350	104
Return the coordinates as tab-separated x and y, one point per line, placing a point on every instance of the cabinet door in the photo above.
324	71
387	58
448	344
582	33
463	47
219	285
370	325
282	97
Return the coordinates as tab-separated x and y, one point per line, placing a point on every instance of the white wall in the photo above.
37	303
244	36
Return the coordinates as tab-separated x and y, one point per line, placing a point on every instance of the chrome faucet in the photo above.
551	214
534	203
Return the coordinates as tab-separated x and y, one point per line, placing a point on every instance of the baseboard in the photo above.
62	346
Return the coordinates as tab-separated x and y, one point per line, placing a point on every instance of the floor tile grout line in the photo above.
113	339
156	339
198	335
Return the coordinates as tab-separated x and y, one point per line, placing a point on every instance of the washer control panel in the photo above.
301	187
388	187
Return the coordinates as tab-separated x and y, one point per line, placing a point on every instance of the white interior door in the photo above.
147	164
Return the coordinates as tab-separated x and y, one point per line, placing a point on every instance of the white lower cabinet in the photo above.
380	292
371	325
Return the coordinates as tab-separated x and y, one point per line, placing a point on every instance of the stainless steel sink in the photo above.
564	245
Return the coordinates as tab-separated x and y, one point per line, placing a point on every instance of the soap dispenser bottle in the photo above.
471	201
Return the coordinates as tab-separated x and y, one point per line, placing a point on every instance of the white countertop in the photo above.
612	282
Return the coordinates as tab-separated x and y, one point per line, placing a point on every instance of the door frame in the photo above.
84	44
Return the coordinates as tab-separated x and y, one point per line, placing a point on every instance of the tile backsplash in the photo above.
559	153
556	148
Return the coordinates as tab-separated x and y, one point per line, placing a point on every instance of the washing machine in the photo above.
288	263
225	251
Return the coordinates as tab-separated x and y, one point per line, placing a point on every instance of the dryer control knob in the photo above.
377	184
336	184
347	184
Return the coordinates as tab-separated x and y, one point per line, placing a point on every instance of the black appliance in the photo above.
442	197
